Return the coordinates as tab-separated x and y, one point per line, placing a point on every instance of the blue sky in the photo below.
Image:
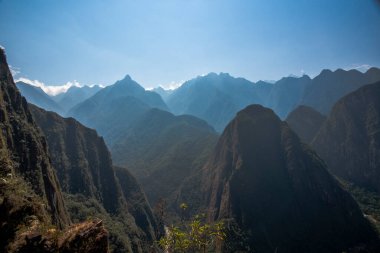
159	42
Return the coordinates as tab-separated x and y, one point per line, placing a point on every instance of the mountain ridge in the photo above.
278	192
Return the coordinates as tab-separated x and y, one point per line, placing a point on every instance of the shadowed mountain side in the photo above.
23	149
349	141
85	170
161	150
328	87
305	122
32	211
138	205
278	192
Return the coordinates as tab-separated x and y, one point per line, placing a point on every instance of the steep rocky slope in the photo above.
278	192
32	211
349	141
306	122
85	171
162	150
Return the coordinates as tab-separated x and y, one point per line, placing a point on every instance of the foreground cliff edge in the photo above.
33	217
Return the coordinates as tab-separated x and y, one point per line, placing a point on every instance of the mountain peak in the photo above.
325	72
258	112
127	81
127	78
277	190
373	70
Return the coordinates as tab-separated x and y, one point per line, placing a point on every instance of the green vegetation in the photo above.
195	235
82	208
368	201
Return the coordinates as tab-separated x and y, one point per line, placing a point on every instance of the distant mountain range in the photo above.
38	97
328	87
113	109
75	95
60	103
217	98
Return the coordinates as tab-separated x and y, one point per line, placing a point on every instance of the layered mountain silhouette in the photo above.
306	122
85	171
37	96
217	98
33	217
328	87
286	94
162	150
214	97
112	110
278	192
349	141
74	95
163	93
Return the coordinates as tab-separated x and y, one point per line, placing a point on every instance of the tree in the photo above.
194	236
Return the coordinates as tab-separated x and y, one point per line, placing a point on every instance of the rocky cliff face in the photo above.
84	168
278	192
349	141
80	157
30	198
306	122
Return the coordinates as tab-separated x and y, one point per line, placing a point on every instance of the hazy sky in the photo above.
162	41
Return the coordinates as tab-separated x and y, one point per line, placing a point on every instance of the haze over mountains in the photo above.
214	98
111	110
37	96
74	95
260	176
